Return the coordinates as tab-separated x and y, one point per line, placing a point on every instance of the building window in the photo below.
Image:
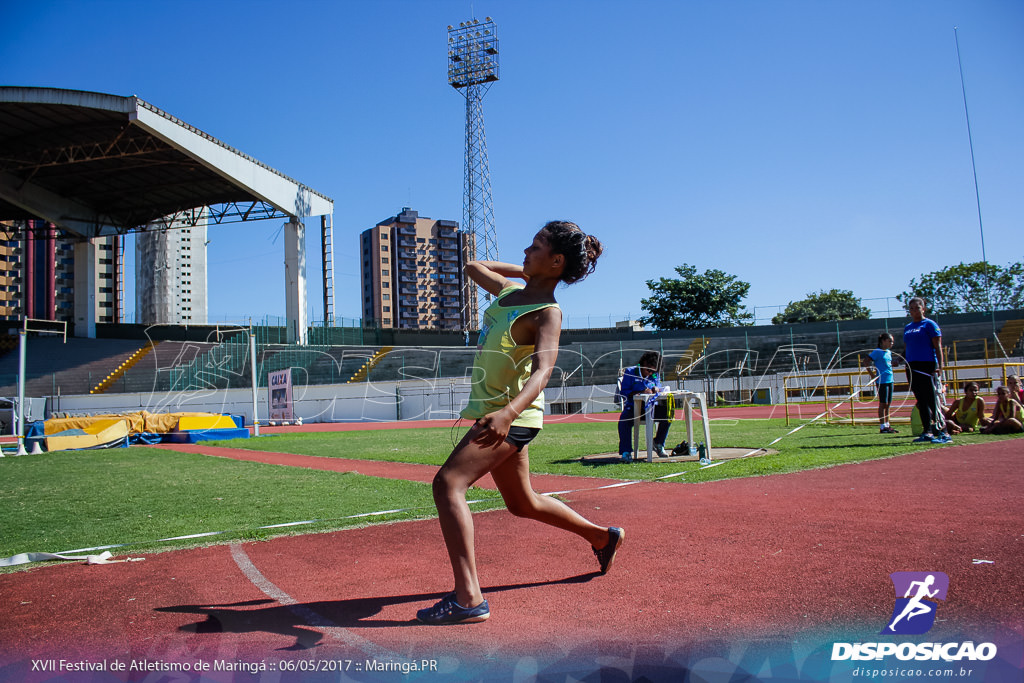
383	247
383	259
385	285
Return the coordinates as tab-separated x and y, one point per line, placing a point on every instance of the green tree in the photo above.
695	300
835	304
966	288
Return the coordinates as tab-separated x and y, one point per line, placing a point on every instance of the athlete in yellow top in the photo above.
1007	416
516	354
966	413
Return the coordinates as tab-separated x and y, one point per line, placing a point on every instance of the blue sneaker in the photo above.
447	611
606	555
942	438
924	438
627	456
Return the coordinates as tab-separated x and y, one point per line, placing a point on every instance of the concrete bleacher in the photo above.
584	358
336	364
152	373
425	363
54	366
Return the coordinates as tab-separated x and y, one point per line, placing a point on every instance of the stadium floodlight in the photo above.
472	68
472	54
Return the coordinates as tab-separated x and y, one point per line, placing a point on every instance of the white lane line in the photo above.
309	616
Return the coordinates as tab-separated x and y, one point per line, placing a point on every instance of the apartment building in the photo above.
412	274
37	274
170	271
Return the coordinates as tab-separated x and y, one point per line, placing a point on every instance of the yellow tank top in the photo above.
967	417
1014	409
502	367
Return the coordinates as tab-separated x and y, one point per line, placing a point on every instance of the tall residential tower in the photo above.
37	274
412	275
170	272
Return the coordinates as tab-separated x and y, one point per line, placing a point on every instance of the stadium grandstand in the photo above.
369	373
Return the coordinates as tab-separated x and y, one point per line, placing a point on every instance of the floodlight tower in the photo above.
472	68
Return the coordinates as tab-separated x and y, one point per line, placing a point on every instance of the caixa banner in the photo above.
279	384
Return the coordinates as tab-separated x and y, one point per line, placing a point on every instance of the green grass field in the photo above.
82	499
78	499
560	447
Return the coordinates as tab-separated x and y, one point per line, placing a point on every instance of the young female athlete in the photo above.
515	356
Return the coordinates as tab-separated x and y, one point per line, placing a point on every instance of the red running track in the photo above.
758	572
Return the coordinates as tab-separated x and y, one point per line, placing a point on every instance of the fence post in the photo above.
828	411
852	415
785	396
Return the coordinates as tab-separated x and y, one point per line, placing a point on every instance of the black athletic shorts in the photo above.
885	393
520	436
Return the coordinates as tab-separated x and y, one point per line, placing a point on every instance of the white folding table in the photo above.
686	398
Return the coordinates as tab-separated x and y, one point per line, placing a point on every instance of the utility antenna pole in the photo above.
472	68
977	196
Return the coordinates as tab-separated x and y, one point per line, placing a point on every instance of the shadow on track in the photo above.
301	620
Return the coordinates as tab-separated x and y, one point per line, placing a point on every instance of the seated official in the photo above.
966	413
641	378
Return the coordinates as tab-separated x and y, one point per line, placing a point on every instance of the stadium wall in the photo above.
391	337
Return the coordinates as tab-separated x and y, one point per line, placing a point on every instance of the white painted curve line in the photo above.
21	557
615	486
311	618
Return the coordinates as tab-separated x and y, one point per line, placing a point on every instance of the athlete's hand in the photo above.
493	428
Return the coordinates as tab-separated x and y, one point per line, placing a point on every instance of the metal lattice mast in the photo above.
472	68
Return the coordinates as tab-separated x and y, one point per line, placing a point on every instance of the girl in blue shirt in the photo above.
882	359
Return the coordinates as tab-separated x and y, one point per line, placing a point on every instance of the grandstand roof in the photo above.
97	164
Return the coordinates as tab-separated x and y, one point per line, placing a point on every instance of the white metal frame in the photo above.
686	398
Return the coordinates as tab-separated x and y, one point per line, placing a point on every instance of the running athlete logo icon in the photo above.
916	593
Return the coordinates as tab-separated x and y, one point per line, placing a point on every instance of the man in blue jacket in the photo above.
641	378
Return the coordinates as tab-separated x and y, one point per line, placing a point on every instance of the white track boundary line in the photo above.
310	617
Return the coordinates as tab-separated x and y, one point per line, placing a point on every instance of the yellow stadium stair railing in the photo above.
119	371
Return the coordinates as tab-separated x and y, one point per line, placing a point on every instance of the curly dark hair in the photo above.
580	250
650	359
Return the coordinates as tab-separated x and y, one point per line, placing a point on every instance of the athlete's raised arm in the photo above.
493	276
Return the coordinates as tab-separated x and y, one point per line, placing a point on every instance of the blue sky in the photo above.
797	145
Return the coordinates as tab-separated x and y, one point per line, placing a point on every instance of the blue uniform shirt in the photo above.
633	383
918	338
882	359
